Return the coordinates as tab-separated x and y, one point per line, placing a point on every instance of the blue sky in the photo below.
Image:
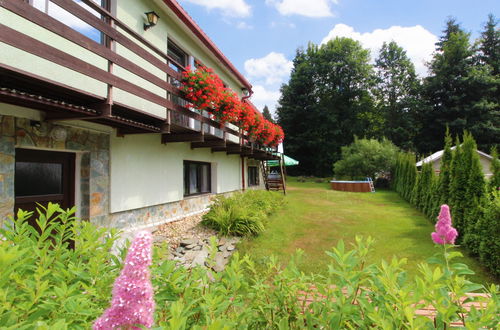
260	37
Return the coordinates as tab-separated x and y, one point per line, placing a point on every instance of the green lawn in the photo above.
315	218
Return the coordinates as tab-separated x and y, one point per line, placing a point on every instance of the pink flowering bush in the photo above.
132	303
445	233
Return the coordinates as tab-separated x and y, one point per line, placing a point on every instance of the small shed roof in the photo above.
439	154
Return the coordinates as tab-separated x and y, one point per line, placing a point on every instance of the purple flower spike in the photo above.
445	233
132	302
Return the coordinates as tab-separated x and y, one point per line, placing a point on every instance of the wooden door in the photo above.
42	177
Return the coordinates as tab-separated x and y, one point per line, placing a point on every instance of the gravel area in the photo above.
189	227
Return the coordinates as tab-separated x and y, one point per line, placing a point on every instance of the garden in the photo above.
400	258
355	282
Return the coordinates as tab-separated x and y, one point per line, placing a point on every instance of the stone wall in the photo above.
92	148
7	165
159	214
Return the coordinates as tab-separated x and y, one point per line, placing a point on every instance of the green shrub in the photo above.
242	214
354	295
46	285
484	235
366	158
461	185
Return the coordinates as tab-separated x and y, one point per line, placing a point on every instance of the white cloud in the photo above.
309	8
270	69
416	40
233	8
263	96
274	24
244	26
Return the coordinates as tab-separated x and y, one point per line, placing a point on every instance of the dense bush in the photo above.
45	285
462	185
366	158
242	214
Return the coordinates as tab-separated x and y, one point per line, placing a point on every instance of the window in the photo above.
72	21
253	176
38	178
177	55
197	178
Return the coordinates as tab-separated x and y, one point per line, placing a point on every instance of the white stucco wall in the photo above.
145	173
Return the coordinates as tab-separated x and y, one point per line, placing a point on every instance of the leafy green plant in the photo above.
44	281
243	213
45	284
366	158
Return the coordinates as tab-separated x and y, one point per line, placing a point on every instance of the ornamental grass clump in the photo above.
242	214
132	303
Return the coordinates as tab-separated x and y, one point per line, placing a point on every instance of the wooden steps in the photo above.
274	181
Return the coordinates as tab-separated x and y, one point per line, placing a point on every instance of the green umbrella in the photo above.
288	161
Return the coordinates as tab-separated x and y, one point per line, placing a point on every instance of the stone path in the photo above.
189	243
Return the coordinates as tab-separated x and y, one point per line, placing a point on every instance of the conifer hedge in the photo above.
474	200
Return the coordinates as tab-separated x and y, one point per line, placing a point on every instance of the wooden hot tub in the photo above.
354	186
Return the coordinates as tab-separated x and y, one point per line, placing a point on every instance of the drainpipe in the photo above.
243	172
250	92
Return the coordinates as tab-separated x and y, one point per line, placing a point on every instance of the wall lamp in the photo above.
152	20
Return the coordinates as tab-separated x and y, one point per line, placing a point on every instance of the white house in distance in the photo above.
435	159
91	113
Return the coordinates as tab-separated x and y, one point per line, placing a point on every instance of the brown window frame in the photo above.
255	176
186	179
174	49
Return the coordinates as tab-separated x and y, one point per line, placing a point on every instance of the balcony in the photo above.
124	82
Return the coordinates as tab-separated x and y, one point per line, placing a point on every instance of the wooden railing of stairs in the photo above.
274	183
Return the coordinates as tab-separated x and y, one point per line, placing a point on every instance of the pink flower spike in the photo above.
445	233
132	302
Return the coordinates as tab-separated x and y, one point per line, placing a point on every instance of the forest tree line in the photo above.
336	93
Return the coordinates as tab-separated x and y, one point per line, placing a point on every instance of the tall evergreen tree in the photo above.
430	206
451	27
410	176
494	183
461	94
267	114
297	113
475	193
458	187
396	95
445	171
490	44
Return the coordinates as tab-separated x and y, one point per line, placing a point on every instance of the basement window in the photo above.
197	178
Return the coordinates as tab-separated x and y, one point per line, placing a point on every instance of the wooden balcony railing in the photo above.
60	101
